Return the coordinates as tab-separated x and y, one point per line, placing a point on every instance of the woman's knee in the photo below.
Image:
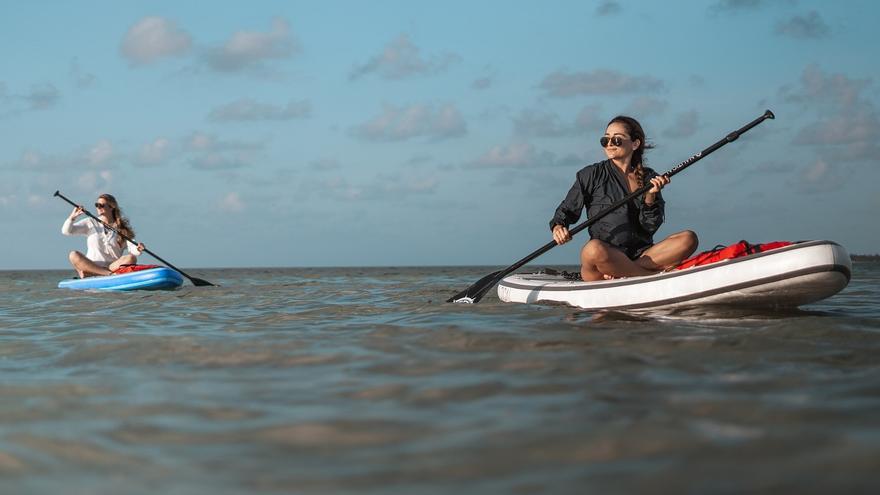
595	250
74	256
689	238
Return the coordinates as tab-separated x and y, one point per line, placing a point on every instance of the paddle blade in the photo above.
200	283
475	292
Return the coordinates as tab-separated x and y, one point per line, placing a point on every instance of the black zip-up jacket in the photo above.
596	187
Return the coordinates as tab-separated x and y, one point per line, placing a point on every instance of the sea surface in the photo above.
363	380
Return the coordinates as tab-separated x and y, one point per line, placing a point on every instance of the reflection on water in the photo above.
353	380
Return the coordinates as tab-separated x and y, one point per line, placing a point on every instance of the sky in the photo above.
399	133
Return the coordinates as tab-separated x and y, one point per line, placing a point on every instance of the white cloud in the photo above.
400	123
100	153
250	110
521	155
154	153
249	49
152	38
219	161
562	84
231	203
401	59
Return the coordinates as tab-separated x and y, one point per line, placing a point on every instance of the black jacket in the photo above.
630	227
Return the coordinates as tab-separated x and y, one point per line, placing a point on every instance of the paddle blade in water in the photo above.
475	292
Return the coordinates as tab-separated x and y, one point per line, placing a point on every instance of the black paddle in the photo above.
475	292
196	281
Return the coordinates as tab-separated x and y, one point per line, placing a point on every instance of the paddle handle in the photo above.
733	136
129	239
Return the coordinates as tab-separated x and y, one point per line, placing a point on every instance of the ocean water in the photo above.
366	381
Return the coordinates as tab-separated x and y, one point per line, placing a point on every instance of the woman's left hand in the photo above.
141	248
658	182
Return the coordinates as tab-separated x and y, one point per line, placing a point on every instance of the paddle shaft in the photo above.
479	289
196	281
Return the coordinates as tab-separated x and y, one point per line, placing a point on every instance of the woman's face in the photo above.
617	132
104	207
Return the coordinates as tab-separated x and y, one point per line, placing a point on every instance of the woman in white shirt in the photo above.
105	247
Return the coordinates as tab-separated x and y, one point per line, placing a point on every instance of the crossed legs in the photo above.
87	268
600	260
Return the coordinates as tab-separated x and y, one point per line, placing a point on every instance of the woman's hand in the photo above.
560	234
657	182
140	248
76	212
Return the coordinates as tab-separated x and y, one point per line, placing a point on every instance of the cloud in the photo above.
809	26
325	164
200	141
831	90
846	125
218	161
80	78
482	83
153	153
542	123
401	123
608	7
736	5
153	38
209	153
94	180
820	177
520	155
42	96
99	154
249	110
231	203
248	50
685	125
401	59
645	105
562	84
384	187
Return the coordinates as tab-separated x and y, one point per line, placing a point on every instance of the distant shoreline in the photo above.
865	257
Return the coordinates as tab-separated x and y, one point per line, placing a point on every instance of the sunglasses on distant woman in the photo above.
614	140
101	205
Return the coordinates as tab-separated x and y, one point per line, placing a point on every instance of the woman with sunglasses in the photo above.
105	247
621	243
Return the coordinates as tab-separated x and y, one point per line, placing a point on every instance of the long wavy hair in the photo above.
117	220
635	132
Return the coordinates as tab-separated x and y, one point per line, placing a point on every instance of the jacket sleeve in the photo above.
651	217
569	211
79	228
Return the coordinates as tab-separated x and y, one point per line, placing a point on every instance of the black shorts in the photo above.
634	253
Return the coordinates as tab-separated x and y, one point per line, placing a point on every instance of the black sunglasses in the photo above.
615	140
102	205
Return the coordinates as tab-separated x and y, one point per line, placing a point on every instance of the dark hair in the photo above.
635	132
118	221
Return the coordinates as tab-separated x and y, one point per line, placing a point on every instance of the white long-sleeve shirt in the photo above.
100	241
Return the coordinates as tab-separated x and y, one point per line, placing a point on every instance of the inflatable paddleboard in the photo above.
790	276
160	278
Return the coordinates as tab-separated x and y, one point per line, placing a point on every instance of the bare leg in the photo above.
669	252
600	259
126	259
84	266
